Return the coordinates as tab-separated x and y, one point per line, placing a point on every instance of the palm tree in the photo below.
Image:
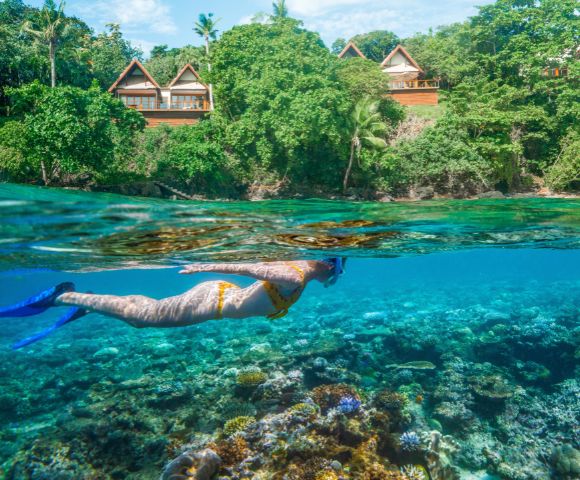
205	27
49	29
280	9
368	129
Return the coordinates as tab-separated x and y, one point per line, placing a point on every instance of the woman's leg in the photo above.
195	306
136	310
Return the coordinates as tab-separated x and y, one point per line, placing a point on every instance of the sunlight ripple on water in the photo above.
80	231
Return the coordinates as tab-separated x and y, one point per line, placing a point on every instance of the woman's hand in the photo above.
191	269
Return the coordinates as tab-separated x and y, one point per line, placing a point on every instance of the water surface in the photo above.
487	291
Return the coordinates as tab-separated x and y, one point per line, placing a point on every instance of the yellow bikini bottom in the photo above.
222	287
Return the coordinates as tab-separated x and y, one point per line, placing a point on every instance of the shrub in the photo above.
565	171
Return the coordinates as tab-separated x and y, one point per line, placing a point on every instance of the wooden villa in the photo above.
407	85
183	102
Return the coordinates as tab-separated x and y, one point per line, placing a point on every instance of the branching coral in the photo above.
237	425
305	410
251	378
410	442
232	450
348	405
390	401
414	472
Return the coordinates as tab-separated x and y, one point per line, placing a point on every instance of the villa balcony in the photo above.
201	106
413	84
415	92
172	114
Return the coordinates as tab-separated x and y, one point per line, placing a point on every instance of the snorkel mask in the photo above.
338	264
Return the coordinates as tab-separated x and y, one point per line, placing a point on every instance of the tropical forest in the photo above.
291	118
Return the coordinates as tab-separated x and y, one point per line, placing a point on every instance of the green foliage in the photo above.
67	132
367	129
206	26
363	79
25	37
277	87
191	155
338	46
13	164
285	105
164	64
376	45
445	54
504	125
442	157
514	114
109	53
280	9
565	171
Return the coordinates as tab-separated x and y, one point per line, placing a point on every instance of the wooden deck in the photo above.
172	117
415	92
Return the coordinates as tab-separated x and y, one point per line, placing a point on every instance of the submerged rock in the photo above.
566	460
193	466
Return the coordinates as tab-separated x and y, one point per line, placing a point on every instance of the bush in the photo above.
191	155
565	172
67	132
442	157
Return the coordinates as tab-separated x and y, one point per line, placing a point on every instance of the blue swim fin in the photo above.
71	314
38	303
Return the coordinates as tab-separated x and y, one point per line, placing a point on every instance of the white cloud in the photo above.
346	18
309	8
135	16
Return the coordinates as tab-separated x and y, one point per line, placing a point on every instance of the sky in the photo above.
153	22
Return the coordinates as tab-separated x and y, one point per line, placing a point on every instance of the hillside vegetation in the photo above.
291	118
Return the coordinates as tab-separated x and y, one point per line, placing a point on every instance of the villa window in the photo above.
139	102
187	102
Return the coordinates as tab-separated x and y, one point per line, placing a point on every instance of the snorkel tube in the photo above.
338	264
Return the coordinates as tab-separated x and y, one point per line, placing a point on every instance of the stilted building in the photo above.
407	85
183	102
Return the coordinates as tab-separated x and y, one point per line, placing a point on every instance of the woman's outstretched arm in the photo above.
283	273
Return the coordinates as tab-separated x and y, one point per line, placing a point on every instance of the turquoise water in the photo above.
487	292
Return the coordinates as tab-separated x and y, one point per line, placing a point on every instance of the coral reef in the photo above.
251	378
237	425
328	393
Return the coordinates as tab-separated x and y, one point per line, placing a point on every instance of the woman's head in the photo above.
337	269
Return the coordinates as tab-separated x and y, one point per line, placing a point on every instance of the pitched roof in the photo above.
351	46
401	49
182	71
129	69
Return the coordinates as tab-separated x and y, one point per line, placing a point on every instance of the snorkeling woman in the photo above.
278	286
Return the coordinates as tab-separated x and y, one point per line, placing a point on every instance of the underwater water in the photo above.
449	350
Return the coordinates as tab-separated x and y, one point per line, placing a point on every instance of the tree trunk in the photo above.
211	105
45	178
52	53
349	168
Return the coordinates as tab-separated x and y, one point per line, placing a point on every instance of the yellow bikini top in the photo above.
280	301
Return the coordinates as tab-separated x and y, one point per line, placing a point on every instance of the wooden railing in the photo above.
200	106
404	84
